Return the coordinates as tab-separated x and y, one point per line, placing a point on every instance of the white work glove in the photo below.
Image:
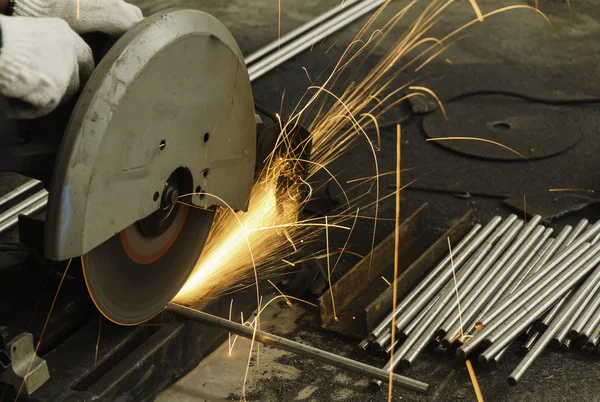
113	17
42	61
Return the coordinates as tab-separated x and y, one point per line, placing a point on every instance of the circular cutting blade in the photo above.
131	277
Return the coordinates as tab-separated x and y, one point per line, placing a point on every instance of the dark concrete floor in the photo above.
516	51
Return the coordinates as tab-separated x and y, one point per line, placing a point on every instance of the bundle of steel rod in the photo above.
502	280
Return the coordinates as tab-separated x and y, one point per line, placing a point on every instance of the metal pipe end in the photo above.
583	338
445	343
586	350
461	353
573	334
377	346
524	349
405	363
555	343
483	358
375	385
511	381
566	345
364	345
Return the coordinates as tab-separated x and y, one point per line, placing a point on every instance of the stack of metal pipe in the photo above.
502	280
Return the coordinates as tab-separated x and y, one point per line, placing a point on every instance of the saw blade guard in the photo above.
172	93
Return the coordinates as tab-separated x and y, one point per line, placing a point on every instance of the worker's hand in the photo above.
113	17
42	62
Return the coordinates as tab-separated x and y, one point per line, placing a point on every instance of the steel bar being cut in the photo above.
298	348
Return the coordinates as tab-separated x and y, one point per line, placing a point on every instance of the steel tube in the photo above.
594	340
16	210
496	258
295	347
534	261
591	285
550	252
496	282
591	327
304	42
295	33
408	330
545	274
31	206
577	230
549	316
562	333
546	292
527	314
428	326
16	193
467	244
586	315
533	337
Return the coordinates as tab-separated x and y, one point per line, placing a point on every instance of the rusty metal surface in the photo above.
382	305
356	286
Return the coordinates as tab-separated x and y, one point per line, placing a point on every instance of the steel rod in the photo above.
528	313
295	33
558	242
429	326
549	289
549	316
591	327
533	337
17	209
577	230
591	285
546	273
496	258
304	42
497	280
594	340
586	315
16	193
466	246
295	347
31	206
534	261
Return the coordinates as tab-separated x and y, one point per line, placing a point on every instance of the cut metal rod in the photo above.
591	310
30	206
467	245
306	41
592	327
577	230
533	262
590	286
295	33
548	289
528	313
594	340
497	280
423	334
410	352
16	193
548	272
533	337
298	348
23	205
549	316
